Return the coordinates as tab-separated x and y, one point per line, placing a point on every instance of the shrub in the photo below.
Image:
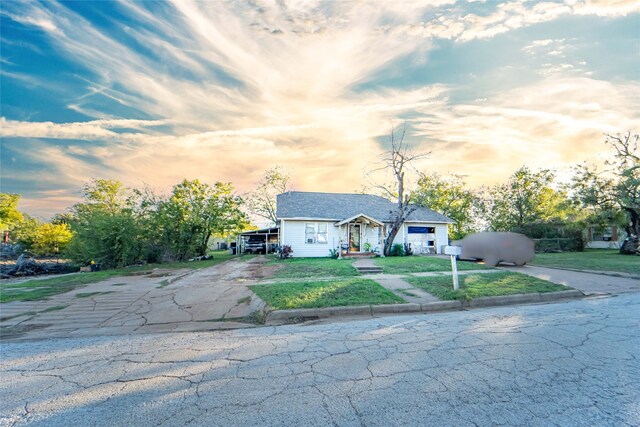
397	250
333	253
367	247
554	237
285	252
407	249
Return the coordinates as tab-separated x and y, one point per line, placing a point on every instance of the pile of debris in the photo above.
28	266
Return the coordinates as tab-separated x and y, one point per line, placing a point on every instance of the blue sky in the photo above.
154	92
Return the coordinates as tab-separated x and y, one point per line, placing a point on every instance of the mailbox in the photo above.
451	250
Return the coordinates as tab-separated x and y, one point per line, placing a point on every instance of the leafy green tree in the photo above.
51	239
9	213
104	225
627	187
612	195
24	233
448	196
150	226
195	211
526	198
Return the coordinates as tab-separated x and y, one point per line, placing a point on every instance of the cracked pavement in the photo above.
564	364
216	297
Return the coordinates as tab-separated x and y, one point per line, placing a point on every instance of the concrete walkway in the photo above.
403	289
588	283
396	284
364	262
216	297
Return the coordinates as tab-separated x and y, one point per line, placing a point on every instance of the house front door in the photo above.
354	238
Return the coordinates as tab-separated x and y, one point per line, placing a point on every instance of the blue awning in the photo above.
419	230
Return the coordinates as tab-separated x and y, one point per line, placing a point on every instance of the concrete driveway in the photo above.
566	364
587	282
211	298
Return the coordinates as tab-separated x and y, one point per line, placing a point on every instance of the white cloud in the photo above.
235	87
556	122
605	7
92	130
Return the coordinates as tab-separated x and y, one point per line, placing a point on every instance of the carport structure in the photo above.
270	237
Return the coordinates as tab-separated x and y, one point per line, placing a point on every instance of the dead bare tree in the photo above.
396	160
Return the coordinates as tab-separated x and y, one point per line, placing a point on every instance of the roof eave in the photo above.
360	215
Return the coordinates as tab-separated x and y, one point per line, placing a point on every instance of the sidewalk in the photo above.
587	282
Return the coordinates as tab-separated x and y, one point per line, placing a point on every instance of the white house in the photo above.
314	223
604	237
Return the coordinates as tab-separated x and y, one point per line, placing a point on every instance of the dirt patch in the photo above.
260	269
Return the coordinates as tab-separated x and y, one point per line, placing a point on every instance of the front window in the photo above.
316	232
322	233
310	232
603	234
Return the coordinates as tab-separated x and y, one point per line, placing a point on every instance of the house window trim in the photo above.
317	233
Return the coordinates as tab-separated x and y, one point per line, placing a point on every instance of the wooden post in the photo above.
340	242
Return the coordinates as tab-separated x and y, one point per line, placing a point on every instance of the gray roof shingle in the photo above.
339	206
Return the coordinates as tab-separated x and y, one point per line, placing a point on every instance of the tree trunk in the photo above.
634	225
631	245
393	232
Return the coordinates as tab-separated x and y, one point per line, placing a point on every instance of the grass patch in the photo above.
591	259
54	308
26	313
119	284
40	289
419	264
342	292
163	284
484	285
91	294
314	267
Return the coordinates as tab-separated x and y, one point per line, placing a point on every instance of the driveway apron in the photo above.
216	297
588	283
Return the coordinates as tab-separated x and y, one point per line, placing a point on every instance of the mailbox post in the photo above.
453	252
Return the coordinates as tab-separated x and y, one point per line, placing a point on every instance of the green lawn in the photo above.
341	292
314	267
417	264
483	285
36	290
591	259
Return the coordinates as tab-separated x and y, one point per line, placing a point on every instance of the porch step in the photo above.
369	270
358	255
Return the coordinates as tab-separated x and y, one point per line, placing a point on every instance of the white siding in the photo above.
599	244
442	236
294	236
441	233
292	233
370	235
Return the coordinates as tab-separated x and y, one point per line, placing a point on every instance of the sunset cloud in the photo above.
156	92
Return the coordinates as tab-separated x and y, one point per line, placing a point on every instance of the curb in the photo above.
257	304
371	310
602	273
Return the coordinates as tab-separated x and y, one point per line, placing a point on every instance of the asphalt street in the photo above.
569	363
